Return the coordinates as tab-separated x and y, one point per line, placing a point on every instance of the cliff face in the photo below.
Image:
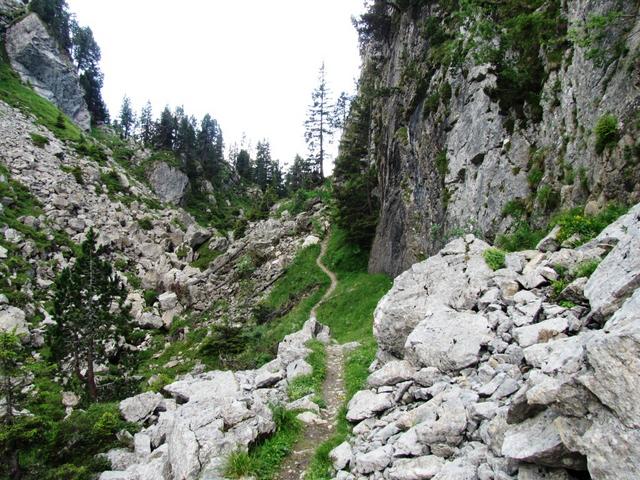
456	141
35	56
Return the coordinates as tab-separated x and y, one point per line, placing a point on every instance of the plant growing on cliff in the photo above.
607	133
89	313
494	258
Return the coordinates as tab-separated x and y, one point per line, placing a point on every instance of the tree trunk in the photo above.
14	462
92	390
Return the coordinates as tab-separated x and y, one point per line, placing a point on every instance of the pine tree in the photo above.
340	111
146	124
90	312
263	162
318	126
86	55
210	148
243	164
165	130
55	14
300	175
127	118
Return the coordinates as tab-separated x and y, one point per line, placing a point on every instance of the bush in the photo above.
442	164
145	223
524	237
585	227
223	341
39	140
150	297
245	266
494	258
548	198
607	134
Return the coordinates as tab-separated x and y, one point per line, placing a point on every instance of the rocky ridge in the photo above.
210	415
482	375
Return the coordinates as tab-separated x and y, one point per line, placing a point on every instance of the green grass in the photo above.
311	384
494	258
205	256
39	140
607	133
349	314
585	227
264	459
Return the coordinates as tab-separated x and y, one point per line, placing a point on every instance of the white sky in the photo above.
251	64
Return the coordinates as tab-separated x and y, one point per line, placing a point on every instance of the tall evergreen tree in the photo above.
300	174
355	176
318	126
340	111
146	124
86	54
262	165
165	130
127	118
90	311
243	164
210	148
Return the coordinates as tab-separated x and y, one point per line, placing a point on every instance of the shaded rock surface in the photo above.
36	57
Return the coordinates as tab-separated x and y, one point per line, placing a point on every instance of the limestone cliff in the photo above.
36	57
466	123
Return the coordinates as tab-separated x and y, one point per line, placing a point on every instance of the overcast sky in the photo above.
252	64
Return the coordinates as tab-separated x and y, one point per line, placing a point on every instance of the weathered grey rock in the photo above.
550	242
374	461
12	320
70	399
535	472
618	275
215	384
149	320
341	456
448	340
540	332
537	441
168	301
310	418
310	240
420	468
392	373
298	368
121	458
366	403
196	236
140	407
35	56
169	183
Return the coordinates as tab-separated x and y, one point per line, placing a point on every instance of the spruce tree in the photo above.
127	118
90	313
262	165
243	164
86	55
165	130
210	148
318	126
146	124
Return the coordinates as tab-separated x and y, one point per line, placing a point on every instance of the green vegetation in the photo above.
548	198
206	255
585	269
312	383
595	33
145	223
442	163
39	140
76	171
607	134
524	237
263	460
494	258
585	227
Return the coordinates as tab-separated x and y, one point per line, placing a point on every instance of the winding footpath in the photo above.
295	465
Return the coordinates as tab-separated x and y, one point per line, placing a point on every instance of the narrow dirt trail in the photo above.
296	464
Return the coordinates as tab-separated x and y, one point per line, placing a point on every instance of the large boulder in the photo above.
35	56
140	407
169	183
12	320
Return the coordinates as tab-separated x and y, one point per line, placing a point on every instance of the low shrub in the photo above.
606	131
39	140
145	223
494	258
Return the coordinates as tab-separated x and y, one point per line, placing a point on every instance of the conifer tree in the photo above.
165	130
89	306
86	54
300	174
146	124
127	118
340	111
17	432
210	148
262	165
243	164
55	14
318	126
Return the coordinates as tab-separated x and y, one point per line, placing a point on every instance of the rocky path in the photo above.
296	464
